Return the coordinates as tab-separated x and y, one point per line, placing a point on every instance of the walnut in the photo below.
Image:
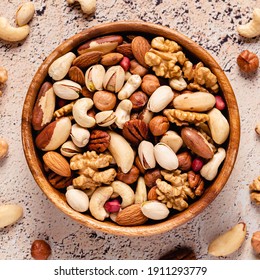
135	131
200	75
98	141
64	111
88	166
255	190
180	117
59	182
164	56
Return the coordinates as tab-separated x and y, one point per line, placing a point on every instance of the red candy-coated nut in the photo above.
197	164
220	103
112	206
125	63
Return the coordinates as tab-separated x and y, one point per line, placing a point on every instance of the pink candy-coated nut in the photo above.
220	103
125	63
197	164
112	206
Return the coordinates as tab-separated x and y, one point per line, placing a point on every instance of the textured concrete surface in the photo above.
212	24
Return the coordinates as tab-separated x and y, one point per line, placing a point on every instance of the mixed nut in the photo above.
130	129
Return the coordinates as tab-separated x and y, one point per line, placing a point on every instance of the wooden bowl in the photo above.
173	221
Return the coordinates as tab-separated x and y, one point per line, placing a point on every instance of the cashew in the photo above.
125	192
210	169
97	201
132	84
80	110
12	34
24	13
60	67
140	192
252	28
121	151
123	112
87	6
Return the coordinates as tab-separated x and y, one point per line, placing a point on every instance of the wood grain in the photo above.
174	221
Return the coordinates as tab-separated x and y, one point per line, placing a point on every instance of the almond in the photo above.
76	75
111	59
57	163
131	216
126	50
87	59
140	46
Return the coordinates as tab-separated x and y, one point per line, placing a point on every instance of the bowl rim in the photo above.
108	227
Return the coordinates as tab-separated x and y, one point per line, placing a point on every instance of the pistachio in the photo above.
80	110
94	77
79	135
122	112
132	84
173	140
105	118
67	89
10	214
154	210
60	67
69	149
114	78
165	156
146	154
77	199
161	97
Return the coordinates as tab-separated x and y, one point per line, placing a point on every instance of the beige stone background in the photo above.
212	24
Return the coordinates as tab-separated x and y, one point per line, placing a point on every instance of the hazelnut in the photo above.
137	69
129	177
159	125
139	100
255	242
87	93
247	61
40	250
3	148
149	84
104	100
152	195
185	161
151	176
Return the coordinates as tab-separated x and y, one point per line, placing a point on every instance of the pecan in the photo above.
135	131
59	182
98	141
196	183
180	254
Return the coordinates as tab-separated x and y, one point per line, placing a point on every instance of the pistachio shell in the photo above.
165	156
77	199
154	210
105	118
69	149
114	78
94	77
79	135
67	89
146	154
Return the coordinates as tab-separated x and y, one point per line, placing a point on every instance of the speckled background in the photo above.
212	24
